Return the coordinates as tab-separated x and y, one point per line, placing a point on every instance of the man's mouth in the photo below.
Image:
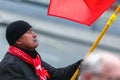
35	40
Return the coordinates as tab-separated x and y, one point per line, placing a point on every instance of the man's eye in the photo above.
30	31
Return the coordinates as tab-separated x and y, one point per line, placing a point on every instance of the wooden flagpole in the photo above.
109	22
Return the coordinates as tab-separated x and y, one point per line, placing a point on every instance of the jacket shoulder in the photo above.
14	66
8	59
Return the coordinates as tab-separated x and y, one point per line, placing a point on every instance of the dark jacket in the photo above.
13	68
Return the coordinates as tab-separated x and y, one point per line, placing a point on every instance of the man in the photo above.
23	62
100	66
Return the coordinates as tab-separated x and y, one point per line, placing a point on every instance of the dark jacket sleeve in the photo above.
64	73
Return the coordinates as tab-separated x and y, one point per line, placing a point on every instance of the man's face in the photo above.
106	68
110	72
28	40
101	76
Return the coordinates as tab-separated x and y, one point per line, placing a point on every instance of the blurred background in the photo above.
62	42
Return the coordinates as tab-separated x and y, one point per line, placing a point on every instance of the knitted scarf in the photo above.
36	63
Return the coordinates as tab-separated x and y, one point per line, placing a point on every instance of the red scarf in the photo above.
36	63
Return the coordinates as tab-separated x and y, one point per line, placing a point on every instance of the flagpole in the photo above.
109	22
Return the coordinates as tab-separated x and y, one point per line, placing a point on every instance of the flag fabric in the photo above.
81	11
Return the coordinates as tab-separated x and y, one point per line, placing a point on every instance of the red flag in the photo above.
81	11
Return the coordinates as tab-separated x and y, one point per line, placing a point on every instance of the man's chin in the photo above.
37	44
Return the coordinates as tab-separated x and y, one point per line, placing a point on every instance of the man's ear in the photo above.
18	42
86	76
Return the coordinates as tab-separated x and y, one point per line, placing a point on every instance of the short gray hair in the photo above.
95	62
91	63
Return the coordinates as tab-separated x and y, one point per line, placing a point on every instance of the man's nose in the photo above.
34	34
